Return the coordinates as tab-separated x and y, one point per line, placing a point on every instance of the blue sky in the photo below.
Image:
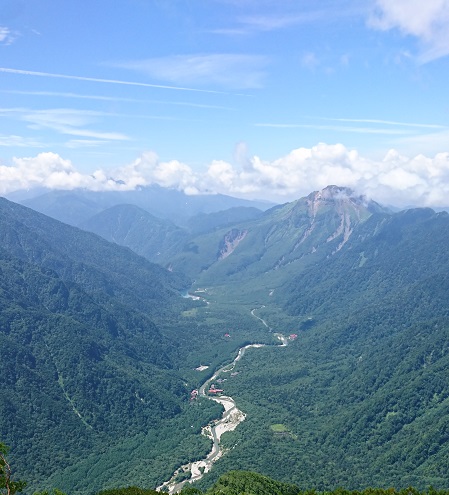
254	98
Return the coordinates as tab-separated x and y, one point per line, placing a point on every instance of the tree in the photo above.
7	485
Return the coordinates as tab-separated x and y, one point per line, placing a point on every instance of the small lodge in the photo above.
214	390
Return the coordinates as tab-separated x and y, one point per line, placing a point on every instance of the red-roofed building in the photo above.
214	390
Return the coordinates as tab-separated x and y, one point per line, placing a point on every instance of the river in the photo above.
231	418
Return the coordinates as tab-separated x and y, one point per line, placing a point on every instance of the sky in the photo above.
266	99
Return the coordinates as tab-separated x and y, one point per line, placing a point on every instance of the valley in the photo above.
103	352
231	418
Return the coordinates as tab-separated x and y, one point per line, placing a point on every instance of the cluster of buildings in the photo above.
213	390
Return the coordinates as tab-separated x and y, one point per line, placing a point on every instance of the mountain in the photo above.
386	255
237	482
240	482
232	483
88	371
359	396
86	259
128	225
77	206
157	239
282	241
207	222
237	244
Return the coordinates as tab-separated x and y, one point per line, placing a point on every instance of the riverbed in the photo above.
230	419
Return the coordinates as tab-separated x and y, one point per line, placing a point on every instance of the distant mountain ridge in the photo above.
78	205
239	242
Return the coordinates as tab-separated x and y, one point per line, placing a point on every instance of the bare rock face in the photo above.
350	208
230	241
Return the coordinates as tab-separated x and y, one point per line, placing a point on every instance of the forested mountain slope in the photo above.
208	222
86	373
386	256
239	244
86	259
360	397
128	225
160	240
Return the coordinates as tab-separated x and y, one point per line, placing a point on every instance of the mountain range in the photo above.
98	347
78	205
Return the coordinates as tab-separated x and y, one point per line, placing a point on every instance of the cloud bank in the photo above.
395	180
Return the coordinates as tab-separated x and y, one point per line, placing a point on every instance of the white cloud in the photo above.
241	155
64	121
7	36
424	143
234	71
274	22
113	99
147	169
4	33
222	175
22	72
337	128
285	15
390	122
428	21
51	171
396	179
20	141
45	170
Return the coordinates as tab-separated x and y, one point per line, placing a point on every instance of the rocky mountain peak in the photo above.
336	194
341	196
334	212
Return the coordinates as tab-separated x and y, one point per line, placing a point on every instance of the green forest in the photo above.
231	483
100	351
